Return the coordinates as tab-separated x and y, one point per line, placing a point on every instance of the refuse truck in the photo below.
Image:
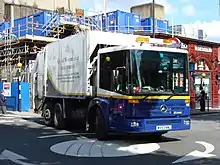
113	83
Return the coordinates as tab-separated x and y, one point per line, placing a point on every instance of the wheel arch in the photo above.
102	104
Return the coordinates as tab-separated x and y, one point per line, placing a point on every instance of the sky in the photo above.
202	14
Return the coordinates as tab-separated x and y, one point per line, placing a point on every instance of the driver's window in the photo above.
110	62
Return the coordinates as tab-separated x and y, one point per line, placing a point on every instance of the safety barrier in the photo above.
11	103
195	101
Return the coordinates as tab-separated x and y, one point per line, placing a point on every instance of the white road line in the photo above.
21	116
52	136
209	148
6	117
6	121
60	135
12	120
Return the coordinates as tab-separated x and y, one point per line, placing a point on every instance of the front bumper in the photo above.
152	125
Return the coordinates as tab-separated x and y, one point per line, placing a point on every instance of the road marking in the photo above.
6	121
209	148
64	134
6	117
18	115
11	120
8	155
59	135
95	148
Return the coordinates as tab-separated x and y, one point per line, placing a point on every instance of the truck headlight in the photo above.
134	124
186	122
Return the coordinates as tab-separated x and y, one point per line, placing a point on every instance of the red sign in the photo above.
175	42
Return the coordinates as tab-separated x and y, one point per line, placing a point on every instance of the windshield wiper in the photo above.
174	93
154	93
170	97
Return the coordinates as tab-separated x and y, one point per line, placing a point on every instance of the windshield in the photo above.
157	71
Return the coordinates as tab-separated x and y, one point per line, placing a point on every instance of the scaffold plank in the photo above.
38	38
14	51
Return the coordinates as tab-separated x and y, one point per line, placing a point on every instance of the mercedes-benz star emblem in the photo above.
163	108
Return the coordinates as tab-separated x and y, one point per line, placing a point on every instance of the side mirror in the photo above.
115	73
119	71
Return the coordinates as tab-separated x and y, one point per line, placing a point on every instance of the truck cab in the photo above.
142	89
111	82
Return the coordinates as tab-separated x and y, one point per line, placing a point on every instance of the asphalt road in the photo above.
25	141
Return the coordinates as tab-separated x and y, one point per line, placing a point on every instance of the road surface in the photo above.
25	141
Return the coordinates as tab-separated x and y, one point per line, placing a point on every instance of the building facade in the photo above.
205	59
27	7
188	30
146	10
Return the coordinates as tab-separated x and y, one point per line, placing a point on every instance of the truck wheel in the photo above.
59	121
47	114
101	130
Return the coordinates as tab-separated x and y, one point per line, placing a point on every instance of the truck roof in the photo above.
93	38
144	47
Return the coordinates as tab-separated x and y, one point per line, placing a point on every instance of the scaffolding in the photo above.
20	44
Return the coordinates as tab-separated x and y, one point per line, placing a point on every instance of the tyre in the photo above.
101	128
59	121
48	114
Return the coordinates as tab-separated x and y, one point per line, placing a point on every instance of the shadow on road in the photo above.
23	139
130	138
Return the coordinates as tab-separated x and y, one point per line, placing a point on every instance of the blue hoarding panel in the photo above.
124	22
118	21
4	25
14	94
25	97
160	25
12	101
20	25
147	24
28	25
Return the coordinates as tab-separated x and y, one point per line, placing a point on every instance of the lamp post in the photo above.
69	8
19	65
153	10
105	14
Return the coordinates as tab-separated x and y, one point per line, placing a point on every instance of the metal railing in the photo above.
49	23
195	104
36	29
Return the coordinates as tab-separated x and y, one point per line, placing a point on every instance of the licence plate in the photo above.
163	127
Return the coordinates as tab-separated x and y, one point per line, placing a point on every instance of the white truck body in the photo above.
68	82
64	66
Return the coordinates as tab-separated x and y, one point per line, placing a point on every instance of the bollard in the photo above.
208	103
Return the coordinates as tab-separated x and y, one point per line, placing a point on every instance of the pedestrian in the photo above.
202	99
3	102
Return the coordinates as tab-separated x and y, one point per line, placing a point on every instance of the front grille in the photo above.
163	122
